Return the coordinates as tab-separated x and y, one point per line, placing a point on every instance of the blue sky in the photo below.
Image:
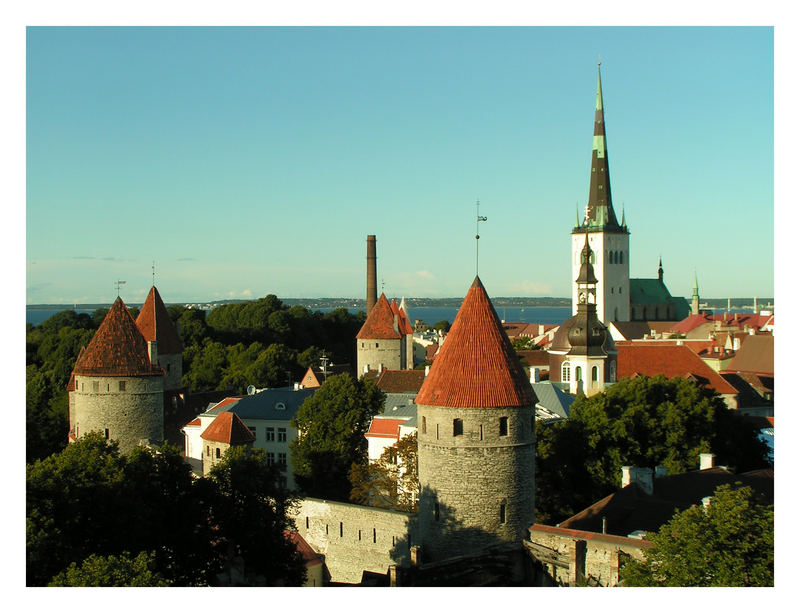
248	161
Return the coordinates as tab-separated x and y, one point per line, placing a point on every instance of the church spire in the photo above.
599	208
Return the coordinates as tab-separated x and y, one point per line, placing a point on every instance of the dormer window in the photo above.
280	406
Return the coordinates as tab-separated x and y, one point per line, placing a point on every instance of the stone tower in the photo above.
381	341
475	423
163	342
608	239
583	353
114	388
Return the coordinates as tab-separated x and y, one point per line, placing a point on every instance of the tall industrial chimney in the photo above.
372	274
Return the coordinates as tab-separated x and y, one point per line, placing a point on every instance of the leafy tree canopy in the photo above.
331	425
392	482
729	543
645	421
112	571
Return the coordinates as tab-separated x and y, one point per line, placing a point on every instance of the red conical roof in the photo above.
380	322
117	349
476	366
228	428
155	324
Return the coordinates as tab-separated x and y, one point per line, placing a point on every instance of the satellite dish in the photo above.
251	389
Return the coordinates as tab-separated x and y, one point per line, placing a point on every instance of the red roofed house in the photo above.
313	561
163	341
114	387
226	431
475	423
383	433
384	341
671	361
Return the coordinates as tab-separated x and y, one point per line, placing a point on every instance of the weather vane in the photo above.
117	285
477	234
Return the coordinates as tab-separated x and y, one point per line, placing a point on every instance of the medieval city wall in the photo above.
354	538
477	487
129	416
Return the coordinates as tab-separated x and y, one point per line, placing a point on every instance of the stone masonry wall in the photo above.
388	352
173	370
474	478
129	416
354	538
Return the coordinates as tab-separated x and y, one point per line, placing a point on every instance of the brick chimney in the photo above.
641	476
372	273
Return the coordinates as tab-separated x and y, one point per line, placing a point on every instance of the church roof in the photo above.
228	428
155	324
648	291
476	366
117	349
380	323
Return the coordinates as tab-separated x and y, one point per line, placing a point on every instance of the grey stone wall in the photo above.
129	416
468	481
173	370
354	538
374	352
210	458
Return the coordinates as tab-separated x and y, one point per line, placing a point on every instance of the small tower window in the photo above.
578	373
504	426
481	432
437	431
306	522
621	257
503	512
217	454
424	425
106	433
374	535
341	529
208	451
594	373
458	427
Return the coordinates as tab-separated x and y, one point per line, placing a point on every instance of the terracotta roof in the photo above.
380	322
430	351
228	428
398	381
310	557
476	366
385	428
756	355
195	422
402	319
690	323
668	360
155	325
117	349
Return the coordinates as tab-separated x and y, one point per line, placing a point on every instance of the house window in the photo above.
108	387
503	513
281	435
270	434
458	427
504	426
208	451
217	454
282	460
565	371
122	386
595	373
270	458
424	425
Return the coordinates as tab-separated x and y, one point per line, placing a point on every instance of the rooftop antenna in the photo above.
477	235
117	285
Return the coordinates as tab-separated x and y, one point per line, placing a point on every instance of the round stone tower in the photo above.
476	432
114	388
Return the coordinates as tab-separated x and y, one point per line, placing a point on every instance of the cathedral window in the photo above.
481	432
504	426
621	256
565	372
458	427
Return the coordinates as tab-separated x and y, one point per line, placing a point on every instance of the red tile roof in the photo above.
228	428
385	428
195	422
155	325
399	381
310	557
690	323
668	360
380	322
476	366
402	319
117	349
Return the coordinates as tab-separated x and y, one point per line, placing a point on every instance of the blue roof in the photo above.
278	404
553	398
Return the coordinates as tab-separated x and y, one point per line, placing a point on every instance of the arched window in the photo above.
595	372
578	374
610	256
621	257
565	371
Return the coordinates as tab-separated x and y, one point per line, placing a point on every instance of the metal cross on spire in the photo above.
117	285
477	234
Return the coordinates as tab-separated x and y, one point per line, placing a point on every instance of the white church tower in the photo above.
608	239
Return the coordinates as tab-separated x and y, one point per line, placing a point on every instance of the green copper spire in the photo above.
600	209
695	291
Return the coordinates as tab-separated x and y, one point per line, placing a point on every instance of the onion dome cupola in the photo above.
586	334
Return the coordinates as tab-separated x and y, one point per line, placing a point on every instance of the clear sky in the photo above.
248	161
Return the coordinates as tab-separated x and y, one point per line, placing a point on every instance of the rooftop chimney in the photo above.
152	351
707	460
641	476
372	273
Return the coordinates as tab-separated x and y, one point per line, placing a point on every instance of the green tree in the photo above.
442	326
392	482
112	571
331	425
644	421
729	543
251	510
